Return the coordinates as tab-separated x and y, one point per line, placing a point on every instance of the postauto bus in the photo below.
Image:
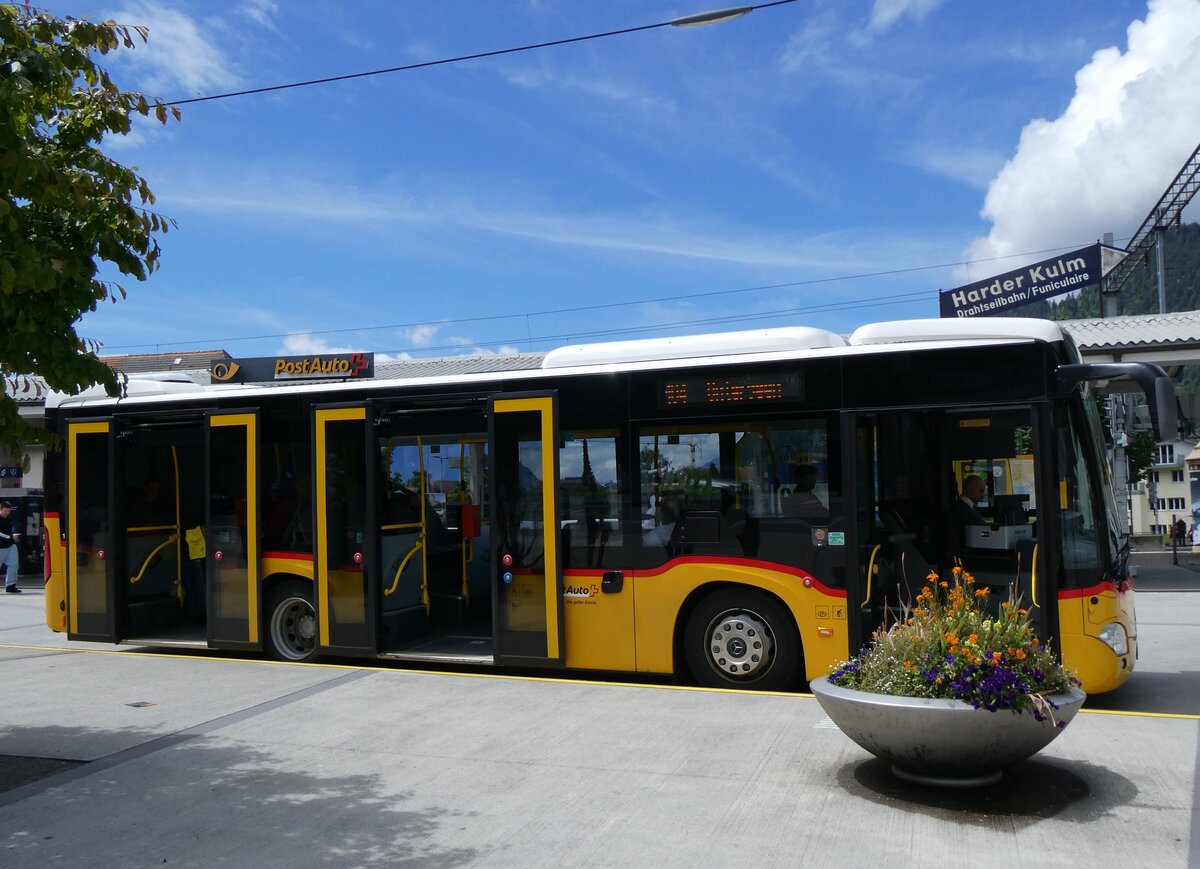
739	509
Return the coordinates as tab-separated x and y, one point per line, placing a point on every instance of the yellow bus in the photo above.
736	510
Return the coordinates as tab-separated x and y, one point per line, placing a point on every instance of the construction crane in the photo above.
1167	213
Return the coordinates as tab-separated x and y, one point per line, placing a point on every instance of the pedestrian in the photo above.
8	549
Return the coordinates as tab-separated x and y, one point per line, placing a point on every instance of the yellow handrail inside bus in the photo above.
464	498
1033	577
153	552
416	547
424	555
870	574
178	525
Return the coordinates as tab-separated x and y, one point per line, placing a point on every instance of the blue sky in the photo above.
825	163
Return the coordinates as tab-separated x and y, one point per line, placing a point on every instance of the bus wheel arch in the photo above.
735	636
290	619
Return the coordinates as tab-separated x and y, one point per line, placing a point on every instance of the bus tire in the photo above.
742	638
291	623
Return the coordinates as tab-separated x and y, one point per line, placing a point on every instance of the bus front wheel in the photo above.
741	638
292	625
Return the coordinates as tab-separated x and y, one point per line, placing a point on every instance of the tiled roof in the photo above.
456	365
1143	331
141	363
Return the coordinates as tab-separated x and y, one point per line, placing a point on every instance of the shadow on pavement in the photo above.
1030	792
207	801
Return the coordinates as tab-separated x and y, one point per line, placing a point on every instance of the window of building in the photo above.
1166	454
1176	476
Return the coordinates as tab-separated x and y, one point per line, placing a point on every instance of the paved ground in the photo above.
179	760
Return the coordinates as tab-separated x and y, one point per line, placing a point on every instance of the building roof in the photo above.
140	363
449	366
1166	339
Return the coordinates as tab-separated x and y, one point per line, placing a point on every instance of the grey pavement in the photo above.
186	760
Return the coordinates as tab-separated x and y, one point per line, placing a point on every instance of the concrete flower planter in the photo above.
941	742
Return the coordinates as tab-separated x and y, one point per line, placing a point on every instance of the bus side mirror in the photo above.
1160	394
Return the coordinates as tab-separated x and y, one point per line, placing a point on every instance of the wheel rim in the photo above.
294	628
740	645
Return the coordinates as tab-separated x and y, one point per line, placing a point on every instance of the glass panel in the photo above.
589	501
227	547
285	482
520	527
993	513
1083	562
161	475
767	492
90	536
344	546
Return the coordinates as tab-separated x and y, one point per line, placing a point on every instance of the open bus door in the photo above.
92	559
230	547
528	613
906	469
345	554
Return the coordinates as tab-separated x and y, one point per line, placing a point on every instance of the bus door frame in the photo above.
250	421
368	554
113	555
545	405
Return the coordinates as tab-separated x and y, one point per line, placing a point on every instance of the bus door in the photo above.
345	552
92	560
528	614
897	507
907	475
227	556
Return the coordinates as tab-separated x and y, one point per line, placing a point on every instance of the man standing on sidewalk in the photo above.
8	549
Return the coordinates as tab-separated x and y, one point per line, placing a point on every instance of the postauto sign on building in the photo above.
1052	277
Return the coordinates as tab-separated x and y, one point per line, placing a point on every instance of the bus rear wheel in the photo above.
741	638
292	624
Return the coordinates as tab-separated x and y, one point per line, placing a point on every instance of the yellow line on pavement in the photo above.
398	667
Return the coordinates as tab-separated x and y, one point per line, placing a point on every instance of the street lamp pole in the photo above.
716	16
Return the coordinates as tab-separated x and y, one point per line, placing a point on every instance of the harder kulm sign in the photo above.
327	366
1032	283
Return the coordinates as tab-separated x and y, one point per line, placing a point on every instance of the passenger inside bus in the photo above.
964	512
803	503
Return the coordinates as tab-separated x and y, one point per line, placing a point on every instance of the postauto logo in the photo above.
348	365
584	591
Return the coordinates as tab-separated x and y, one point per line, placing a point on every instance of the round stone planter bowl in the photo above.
946	743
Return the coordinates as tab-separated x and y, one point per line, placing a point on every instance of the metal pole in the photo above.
1159	262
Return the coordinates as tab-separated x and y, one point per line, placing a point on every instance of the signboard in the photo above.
13	472
325	366
1032	283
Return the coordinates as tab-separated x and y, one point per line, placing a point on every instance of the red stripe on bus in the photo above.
295	556
1098	588
808	578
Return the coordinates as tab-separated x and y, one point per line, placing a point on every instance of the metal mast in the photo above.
1165	214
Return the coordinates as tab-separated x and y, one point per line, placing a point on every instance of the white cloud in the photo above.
180	53
888	12
420	336
260	12
307	344
975	167
1103	163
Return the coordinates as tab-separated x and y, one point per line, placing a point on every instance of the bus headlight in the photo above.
1113	636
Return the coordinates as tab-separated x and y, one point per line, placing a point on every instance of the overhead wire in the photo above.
844	304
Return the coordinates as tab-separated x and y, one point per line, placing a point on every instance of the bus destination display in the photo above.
747	389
